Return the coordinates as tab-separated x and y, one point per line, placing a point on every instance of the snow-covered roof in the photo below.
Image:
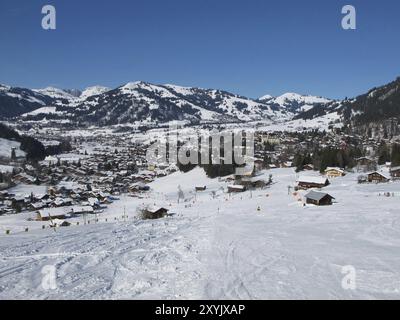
154	209
380	173
334	168
317	196
310	179
236	186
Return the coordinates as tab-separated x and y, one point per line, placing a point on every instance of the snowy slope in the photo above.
93	91
6	147
294	102
55	93
16	101
219	247
145	103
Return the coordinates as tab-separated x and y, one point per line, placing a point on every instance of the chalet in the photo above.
200	188
236	188
319	198
252	182
377	177
334	172
53	213
81	210
312	182
154	213
395	172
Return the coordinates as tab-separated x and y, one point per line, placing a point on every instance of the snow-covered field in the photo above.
6	148
254	245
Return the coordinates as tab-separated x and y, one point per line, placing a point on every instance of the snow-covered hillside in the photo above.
6	147
294	102
93	91
144	103
56	93
255	245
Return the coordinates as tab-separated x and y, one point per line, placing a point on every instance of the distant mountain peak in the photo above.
55	93
265	97
93	91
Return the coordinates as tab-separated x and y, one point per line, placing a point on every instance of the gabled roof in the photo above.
154	209
310	179
317	196
380	173
334	168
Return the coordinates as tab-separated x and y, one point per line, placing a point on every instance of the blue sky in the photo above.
247	47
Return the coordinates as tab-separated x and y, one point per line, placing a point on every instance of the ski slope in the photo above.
255	245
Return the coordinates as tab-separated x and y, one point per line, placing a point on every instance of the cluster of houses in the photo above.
82	180
57	201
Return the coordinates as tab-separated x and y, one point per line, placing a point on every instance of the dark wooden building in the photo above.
312	182
395	172
377	177
155	213
319	198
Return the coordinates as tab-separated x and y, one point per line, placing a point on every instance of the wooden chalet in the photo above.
312	182
319	198
334	172
377	177
154	213
395	172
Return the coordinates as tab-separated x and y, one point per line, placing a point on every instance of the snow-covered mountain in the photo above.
294	102
56	93
143	103
375	106
16	101
146	103
93	91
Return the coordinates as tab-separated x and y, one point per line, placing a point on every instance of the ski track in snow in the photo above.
222	248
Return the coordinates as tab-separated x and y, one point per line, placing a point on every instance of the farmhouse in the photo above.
332	172
252	182
154	213
377	177
312	182
395	172
53	213
319	198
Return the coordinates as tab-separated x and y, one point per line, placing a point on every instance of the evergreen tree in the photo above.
395	157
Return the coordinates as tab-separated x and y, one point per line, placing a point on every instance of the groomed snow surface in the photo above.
255	245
